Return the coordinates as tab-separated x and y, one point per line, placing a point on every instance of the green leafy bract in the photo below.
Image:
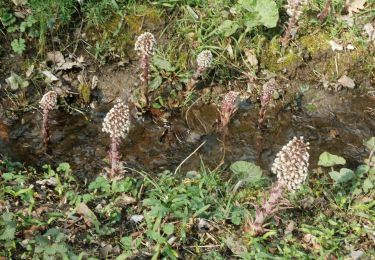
328	160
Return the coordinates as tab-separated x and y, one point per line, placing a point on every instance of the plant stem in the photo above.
114	156
45	129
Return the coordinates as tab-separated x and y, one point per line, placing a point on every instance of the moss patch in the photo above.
273	60
315	44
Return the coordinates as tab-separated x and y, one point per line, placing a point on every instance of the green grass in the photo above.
200	214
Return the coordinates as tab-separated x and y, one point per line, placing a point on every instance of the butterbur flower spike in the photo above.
228	107
292	162
294	10
265	98
290	166
47	103
116	124
204	62
145	46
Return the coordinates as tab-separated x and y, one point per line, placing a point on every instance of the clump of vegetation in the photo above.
51	212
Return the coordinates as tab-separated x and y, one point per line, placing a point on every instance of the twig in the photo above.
187	158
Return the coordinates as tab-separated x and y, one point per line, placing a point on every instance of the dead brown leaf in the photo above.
355	6
251	57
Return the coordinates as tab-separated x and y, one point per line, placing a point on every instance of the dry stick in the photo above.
190	155
224	152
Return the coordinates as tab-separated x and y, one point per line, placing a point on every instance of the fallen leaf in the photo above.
55	58
354	6
346	82
49	76
136	218
350	47
370	31
335	46
251	57
311	241
29	71
15	81
88	216
125	200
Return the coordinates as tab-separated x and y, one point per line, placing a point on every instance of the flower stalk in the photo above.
294	10
145	46
116	124
290	166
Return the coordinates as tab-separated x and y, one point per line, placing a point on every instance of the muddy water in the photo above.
338	124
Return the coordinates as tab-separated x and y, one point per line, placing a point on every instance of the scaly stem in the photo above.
269	208
45	129
145	75
292	25
193	81
114	156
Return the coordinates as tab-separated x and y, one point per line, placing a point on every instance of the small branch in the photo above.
190	155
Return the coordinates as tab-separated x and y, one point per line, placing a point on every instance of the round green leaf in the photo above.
328	160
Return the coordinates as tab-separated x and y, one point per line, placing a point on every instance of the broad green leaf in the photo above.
367	185
362	169
371	143
328	160
18	45
247	171
8	233
228	28
260	12
168	229
155	83
163	64
65	167
343	176
268	12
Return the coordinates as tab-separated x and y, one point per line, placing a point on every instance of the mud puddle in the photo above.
338	124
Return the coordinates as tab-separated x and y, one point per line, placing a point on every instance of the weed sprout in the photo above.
290	166
47	103
116	124
204	62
